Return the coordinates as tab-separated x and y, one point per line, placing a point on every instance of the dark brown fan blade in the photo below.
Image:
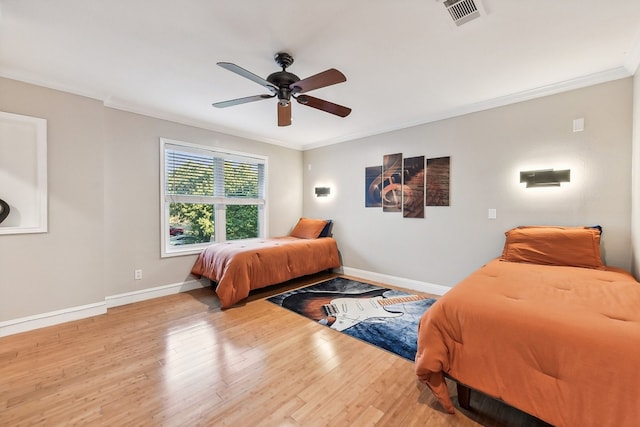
323	79
284	114
248	75
238	101
323	105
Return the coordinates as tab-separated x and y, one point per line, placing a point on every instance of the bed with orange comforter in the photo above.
558	341
238	267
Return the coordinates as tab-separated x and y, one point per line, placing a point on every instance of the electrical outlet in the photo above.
137	274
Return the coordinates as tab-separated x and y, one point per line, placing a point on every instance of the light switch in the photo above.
492	214
578	124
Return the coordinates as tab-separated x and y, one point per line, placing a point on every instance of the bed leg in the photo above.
464	396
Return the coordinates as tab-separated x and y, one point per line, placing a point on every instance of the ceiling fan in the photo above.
286	85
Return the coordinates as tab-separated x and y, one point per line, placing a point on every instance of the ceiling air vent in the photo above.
462	11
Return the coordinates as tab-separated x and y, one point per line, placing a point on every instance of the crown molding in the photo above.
626	70
538	92
633	58
37	80
116	104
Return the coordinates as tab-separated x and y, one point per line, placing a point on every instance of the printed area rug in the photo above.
384	317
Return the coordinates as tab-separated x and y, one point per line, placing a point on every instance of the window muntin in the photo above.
209	195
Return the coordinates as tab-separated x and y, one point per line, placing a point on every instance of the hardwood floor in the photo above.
181	361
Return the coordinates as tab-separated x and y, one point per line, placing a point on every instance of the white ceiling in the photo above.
406	62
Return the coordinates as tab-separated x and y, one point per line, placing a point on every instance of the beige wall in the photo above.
104	217
487	149
635	187
104	192
63	267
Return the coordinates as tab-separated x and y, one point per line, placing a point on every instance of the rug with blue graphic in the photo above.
384	317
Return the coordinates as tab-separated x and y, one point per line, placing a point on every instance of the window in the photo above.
209	195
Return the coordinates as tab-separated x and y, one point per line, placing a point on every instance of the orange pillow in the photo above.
307	228
569	246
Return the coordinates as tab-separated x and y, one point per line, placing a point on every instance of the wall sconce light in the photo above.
322	191
545	177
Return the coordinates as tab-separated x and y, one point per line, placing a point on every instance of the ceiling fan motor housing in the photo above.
283	80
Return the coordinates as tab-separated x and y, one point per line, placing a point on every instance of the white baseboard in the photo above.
416	285
160	291
37	321
29	323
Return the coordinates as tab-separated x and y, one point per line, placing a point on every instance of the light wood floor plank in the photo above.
182	361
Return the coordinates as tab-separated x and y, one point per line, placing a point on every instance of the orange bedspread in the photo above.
239	267
560	343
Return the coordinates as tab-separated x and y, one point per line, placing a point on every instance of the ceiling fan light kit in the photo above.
286	85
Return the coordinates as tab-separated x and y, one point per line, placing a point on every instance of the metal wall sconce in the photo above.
545	177
322	191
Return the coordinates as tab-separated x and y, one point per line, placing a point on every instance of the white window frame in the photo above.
219	203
